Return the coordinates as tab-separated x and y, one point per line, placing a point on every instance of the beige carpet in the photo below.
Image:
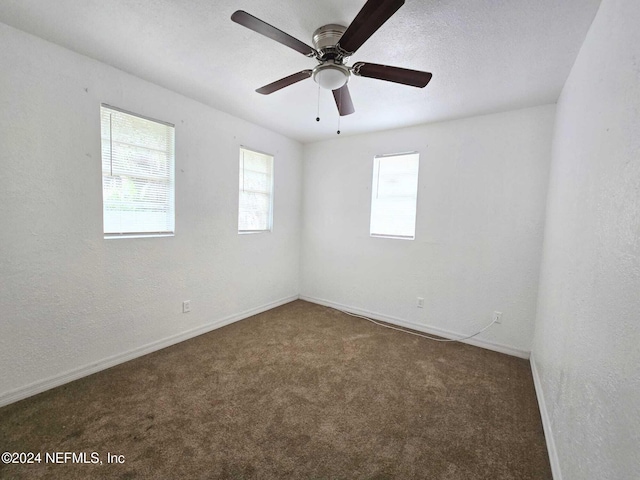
301	391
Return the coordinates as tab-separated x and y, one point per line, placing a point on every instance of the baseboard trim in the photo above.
77	373
546	422
496	347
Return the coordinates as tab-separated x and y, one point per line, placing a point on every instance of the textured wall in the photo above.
69	298
481	199
586	346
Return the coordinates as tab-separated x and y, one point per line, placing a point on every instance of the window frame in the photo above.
170	178
375	190
241	169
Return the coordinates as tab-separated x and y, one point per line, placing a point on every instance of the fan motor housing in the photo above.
327	35
325	40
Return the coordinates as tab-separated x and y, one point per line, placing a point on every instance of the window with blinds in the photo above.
394	194
137	175
256	192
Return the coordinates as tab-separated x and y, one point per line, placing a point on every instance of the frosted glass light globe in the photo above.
331	77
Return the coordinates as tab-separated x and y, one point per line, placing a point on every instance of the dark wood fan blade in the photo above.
247	20
369	19
343	100
405	76
284	82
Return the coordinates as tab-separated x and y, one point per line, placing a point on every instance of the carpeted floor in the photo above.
299	392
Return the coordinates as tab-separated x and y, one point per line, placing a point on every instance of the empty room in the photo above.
320	239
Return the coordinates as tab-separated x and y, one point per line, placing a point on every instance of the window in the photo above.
394	194
256	192
137	175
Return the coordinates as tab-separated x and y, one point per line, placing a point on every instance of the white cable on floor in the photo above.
415	333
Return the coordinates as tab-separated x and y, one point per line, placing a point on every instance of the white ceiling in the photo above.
485	55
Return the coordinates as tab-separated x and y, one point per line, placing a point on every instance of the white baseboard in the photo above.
496	347
546	422
71	375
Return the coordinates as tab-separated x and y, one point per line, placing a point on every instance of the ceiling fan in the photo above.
334	44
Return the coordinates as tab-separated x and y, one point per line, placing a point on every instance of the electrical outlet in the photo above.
186	306
420	302
497	317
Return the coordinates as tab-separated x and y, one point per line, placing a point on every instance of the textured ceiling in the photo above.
486	55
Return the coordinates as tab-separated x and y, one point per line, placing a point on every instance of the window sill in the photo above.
392	237
112	236
251	232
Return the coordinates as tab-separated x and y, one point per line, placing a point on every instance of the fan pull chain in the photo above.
318	116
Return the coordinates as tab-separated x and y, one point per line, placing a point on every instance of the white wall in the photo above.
587	341
481	200
70	299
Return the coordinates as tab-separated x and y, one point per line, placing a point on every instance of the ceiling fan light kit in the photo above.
331	76
333	45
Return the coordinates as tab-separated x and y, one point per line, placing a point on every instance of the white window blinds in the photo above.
394	196
137	174
256	192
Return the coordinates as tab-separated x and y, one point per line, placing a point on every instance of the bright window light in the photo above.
255	208
138	164
394	194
